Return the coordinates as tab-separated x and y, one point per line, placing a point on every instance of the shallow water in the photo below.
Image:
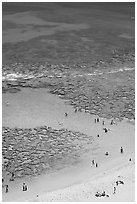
31	108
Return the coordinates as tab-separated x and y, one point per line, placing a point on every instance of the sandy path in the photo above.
121	134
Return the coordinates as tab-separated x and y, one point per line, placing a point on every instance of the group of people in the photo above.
24	187
98	194
94	163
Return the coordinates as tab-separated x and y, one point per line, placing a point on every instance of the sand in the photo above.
79	182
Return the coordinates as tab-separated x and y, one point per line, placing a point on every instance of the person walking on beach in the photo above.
106	153
12	177
105	129
97	120
66	114
93	162
24	186
121	150
114	190
7	188
96	165
111	122
103	123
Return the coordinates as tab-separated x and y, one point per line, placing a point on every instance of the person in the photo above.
26	188
130	159
66	114
104	193
106	153
114	190
7	188
75	110
23	186
121	150
93	162
97	120
111	122
2	180
98	135
105	129
12	177
103	123
96	165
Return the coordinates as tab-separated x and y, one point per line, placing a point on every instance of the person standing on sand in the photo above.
121	150
93	162
103	123
97	120
105	129
7	188
96	165
114	190
26	188
66	114
12	177
112	122
23	187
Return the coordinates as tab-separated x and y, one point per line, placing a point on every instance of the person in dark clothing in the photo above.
23	187
121	150
106	153
26	188
114	190
12	177
98	135
96	165
93	162
7	188
105	129
66	114
97	120
103	123
111	122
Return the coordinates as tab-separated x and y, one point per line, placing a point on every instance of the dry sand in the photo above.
81	181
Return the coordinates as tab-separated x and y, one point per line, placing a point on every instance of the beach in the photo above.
74	179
